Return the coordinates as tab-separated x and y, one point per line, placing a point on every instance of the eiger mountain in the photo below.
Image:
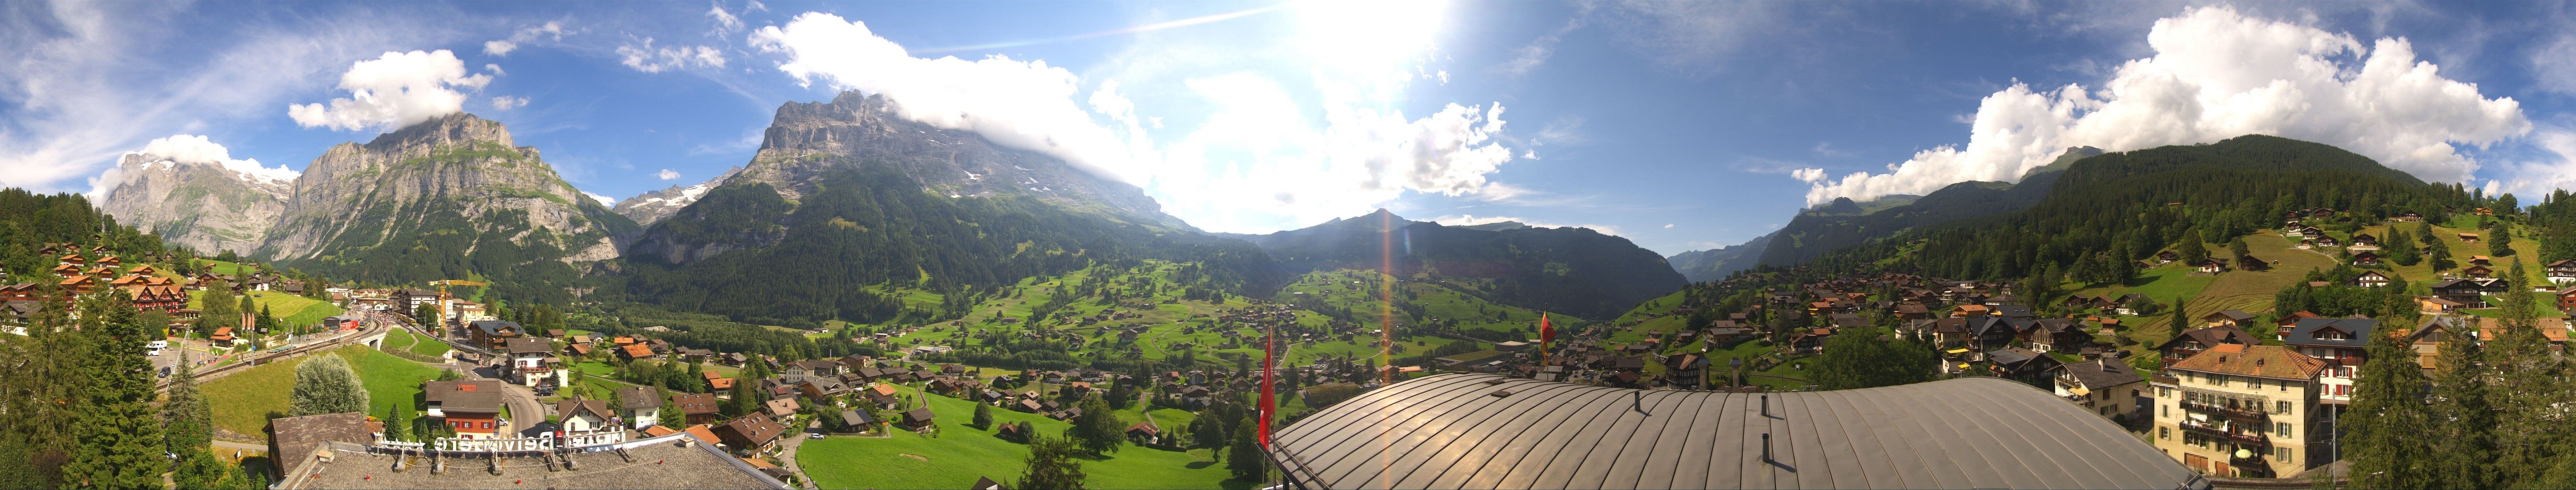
1573	270
441	199
201	205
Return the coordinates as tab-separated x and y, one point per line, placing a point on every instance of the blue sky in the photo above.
1679	125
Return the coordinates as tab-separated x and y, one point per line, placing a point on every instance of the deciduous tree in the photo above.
325	383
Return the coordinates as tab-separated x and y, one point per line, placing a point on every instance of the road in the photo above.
794	441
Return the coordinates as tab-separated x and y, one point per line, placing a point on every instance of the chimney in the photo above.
1766	447
1766	412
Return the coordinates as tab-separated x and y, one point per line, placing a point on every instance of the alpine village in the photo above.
872	301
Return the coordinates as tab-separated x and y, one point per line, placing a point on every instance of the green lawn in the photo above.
294	310
400	339
961	453
243	402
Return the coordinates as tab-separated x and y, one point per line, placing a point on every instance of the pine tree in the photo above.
326	384
2181	316
2191	249
2400	248
2464	438
983	416
397	422
2500	240
2388	430
191	424
670	411
2439	254
118	432
2529	390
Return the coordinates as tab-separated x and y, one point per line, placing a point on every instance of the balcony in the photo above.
2254	467
2252	440
2235	412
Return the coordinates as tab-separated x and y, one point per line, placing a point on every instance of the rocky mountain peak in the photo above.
452	129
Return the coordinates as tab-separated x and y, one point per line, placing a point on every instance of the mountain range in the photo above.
1843	223
842	205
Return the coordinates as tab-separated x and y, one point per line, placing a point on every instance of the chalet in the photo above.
2365	258
2468	294
636	351
2562	272
2482	260
749	433
1989	333
2251	263
494	334
223	337
696	408
2469	237
2364	240
640	407
472	407
1812	341
858	420
2567	299
2311	232
2213	265
918	418
2019	363
1848	320
2409	216
2477	271
78	285
823	388
2110	389
2436	305
2167	257
2196	340
2227	318
2370	279
2327	241
781	409
1144	434
2293	318
583	415
25	291
2059	335
2341	343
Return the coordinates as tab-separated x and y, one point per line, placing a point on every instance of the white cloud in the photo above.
2533	178
1262	157
666	174
2217	74
82	86
505	102
502	47
646	58
603	200
1809	175
1472	220
726	22
393	91
188	148
495	68
1536	53
1668	226
2553	66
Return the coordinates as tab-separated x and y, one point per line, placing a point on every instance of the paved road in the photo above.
788	455
240	445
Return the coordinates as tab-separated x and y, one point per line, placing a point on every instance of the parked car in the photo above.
165	371
817	435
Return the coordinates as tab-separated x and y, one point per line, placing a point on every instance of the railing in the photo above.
2254	467
2254	414
2252	438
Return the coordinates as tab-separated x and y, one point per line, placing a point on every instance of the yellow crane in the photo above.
444	283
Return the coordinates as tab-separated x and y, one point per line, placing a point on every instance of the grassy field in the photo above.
243	402
292	309
400	339
222	267
961	453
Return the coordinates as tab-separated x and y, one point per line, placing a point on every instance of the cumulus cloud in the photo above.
503	47
646	58
1264	156
1020	104
393	91
191	149
505	102
2218	74
666	174
2554	169
603	200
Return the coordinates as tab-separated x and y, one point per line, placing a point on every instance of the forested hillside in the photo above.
747	253
1573	270
2121	207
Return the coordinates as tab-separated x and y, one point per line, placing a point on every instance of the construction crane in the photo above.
444	283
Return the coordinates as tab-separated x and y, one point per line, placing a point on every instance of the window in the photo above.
2164	433
2282	427
2255	383
2285	455
2162	392
2282	407
2218	380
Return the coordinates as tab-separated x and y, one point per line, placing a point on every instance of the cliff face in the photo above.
807	139
201	205
454	174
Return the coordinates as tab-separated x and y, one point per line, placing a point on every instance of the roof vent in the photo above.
2258	362
1501	393
1494	381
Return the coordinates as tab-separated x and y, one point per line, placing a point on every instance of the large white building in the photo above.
2249	411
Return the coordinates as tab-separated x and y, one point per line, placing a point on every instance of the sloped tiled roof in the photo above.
2261	361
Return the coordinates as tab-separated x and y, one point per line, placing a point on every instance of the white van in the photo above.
158	345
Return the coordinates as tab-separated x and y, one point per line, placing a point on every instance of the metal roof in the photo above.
1462	431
